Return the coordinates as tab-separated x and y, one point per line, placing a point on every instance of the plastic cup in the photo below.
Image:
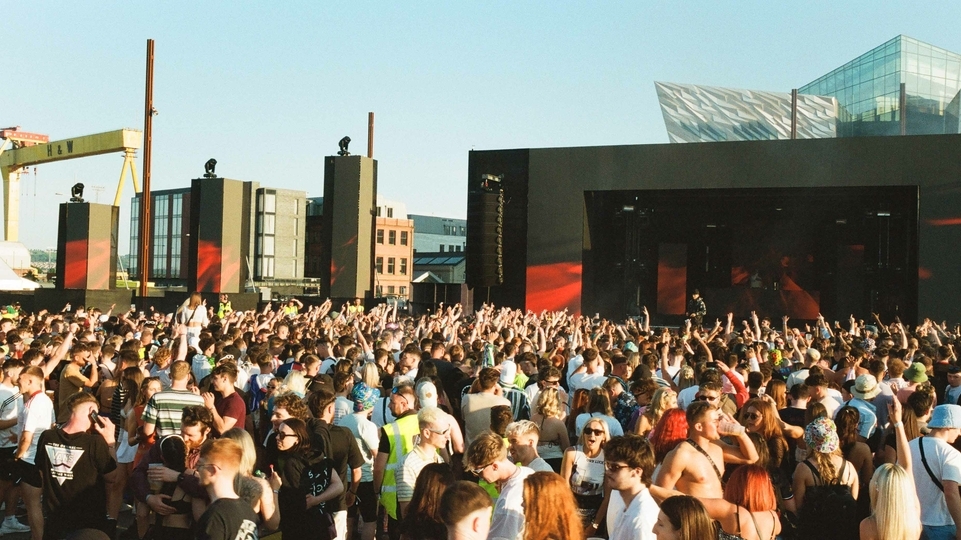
155	485
730	428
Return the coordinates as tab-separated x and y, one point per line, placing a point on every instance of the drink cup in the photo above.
155	485
730	428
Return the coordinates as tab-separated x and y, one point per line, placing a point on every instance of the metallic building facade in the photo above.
695	113
860	98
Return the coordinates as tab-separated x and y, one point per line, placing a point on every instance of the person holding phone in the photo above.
73	461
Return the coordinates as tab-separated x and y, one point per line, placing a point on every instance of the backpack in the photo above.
829	511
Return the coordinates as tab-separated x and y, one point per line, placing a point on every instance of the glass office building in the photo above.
868	90
860	98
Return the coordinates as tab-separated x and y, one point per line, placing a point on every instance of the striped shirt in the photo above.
410	469
520	406
165	410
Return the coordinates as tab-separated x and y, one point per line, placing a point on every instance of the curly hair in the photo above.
293	404
548	403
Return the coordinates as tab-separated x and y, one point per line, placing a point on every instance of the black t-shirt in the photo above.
228	519
338	444
793	416
72	467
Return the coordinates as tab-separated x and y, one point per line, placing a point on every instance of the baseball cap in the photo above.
426	393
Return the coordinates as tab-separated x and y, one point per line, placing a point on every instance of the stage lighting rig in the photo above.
76	193
210	168
343	146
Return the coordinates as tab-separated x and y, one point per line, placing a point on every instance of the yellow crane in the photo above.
34	149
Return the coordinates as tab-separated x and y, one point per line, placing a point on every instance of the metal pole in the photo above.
904	112
794	113
370	135
145	210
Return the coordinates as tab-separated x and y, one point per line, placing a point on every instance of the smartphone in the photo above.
95	419
807	337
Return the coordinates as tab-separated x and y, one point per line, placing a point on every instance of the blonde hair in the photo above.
523	427
548	403
599	421
370	375
246	442
658	404
894	503
295	382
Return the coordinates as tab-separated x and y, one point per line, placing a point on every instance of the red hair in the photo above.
670	430
750	486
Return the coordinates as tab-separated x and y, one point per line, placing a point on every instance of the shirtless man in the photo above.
688	470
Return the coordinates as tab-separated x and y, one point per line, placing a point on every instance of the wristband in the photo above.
897	424
594	526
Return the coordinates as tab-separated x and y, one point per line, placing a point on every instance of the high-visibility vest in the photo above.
402	434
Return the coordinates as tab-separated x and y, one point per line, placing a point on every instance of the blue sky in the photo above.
269	88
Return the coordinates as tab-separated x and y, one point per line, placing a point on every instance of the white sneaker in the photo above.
13	526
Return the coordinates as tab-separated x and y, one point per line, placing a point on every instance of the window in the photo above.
403	290
442	248
380	236
380	265
390	211
378	211
457	248
392	237
390	265
294	250
296	207
403	267
403	238
380	290
390	289
451	248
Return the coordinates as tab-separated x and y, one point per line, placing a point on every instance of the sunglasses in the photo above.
552	383
752	416
281	435
614	467
708	398
478	472
590	431
435	432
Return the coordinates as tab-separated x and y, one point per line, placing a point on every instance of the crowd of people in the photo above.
343	423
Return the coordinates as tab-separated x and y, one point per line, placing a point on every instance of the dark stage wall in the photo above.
545	188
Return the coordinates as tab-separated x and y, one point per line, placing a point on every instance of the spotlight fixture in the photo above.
76	193
209	168
343	146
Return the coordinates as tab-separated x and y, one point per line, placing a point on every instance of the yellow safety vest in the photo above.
402	433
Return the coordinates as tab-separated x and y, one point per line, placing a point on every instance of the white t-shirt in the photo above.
798	376
539	465
367	435
831	405
586	381
36	416
342	407
613	426
686	397
635	521
11	403
508	520
945	463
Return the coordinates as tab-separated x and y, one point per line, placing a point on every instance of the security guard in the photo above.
396	440
225	308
